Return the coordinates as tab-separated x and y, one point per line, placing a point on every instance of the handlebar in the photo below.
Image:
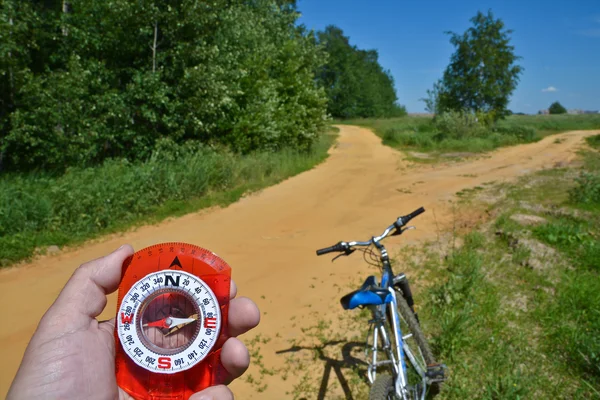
396	227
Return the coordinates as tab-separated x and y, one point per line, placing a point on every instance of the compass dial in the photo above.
168	321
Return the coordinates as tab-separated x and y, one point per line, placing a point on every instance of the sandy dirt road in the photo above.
269	237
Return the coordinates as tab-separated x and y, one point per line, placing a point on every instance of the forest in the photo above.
89	80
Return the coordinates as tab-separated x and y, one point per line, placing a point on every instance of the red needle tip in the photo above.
161	323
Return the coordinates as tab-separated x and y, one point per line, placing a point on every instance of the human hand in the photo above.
72	355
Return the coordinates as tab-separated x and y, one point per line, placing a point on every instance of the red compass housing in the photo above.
171	321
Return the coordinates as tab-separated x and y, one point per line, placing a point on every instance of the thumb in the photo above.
84	295
220	392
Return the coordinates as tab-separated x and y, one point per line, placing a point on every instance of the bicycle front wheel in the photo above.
383	388
417	345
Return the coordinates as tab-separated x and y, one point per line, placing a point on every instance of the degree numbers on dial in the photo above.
168	321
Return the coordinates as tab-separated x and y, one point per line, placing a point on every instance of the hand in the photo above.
72	355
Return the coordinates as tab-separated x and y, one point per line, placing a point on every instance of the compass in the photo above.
170	321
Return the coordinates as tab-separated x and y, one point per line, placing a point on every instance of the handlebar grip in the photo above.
336	247
416	213
404	220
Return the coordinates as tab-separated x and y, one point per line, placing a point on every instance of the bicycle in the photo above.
392	315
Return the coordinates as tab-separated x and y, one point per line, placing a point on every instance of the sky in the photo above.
559	42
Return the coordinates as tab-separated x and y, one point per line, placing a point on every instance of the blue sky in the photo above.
558	40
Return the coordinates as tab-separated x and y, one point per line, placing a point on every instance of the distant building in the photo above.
591	112
544	112
575	112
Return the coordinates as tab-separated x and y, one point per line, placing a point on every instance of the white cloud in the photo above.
550	89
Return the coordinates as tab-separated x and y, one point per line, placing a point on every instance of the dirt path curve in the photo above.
269	238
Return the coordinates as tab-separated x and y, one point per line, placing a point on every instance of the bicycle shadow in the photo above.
347	362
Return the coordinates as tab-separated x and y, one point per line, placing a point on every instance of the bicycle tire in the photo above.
383	388
415	329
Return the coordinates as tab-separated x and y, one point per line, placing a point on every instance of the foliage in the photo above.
39	210
482	73
355	83
557	108
458	125
78	89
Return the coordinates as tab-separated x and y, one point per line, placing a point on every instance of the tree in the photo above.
557	108
482	73
78	89
355	82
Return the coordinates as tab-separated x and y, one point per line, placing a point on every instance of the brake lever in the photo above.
345	253
400	231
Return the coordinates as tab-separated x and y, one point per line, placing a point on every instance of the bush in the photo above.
459	125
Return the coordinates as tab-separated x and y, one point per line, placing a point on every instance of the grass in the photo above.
515	311
593	141
465	315
37	211
421	134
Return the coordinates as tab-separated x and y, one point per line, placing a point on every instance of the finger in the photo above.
243	316
84	295
213	393
108	325
232	290
235	357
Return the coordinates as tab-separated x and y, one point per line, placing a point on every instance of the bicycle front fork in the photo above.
400	282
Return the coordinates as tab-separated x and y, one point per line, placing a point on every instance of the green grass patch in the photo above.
464	315
37	210
515	311
593	141
574	237
423	134
553	123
